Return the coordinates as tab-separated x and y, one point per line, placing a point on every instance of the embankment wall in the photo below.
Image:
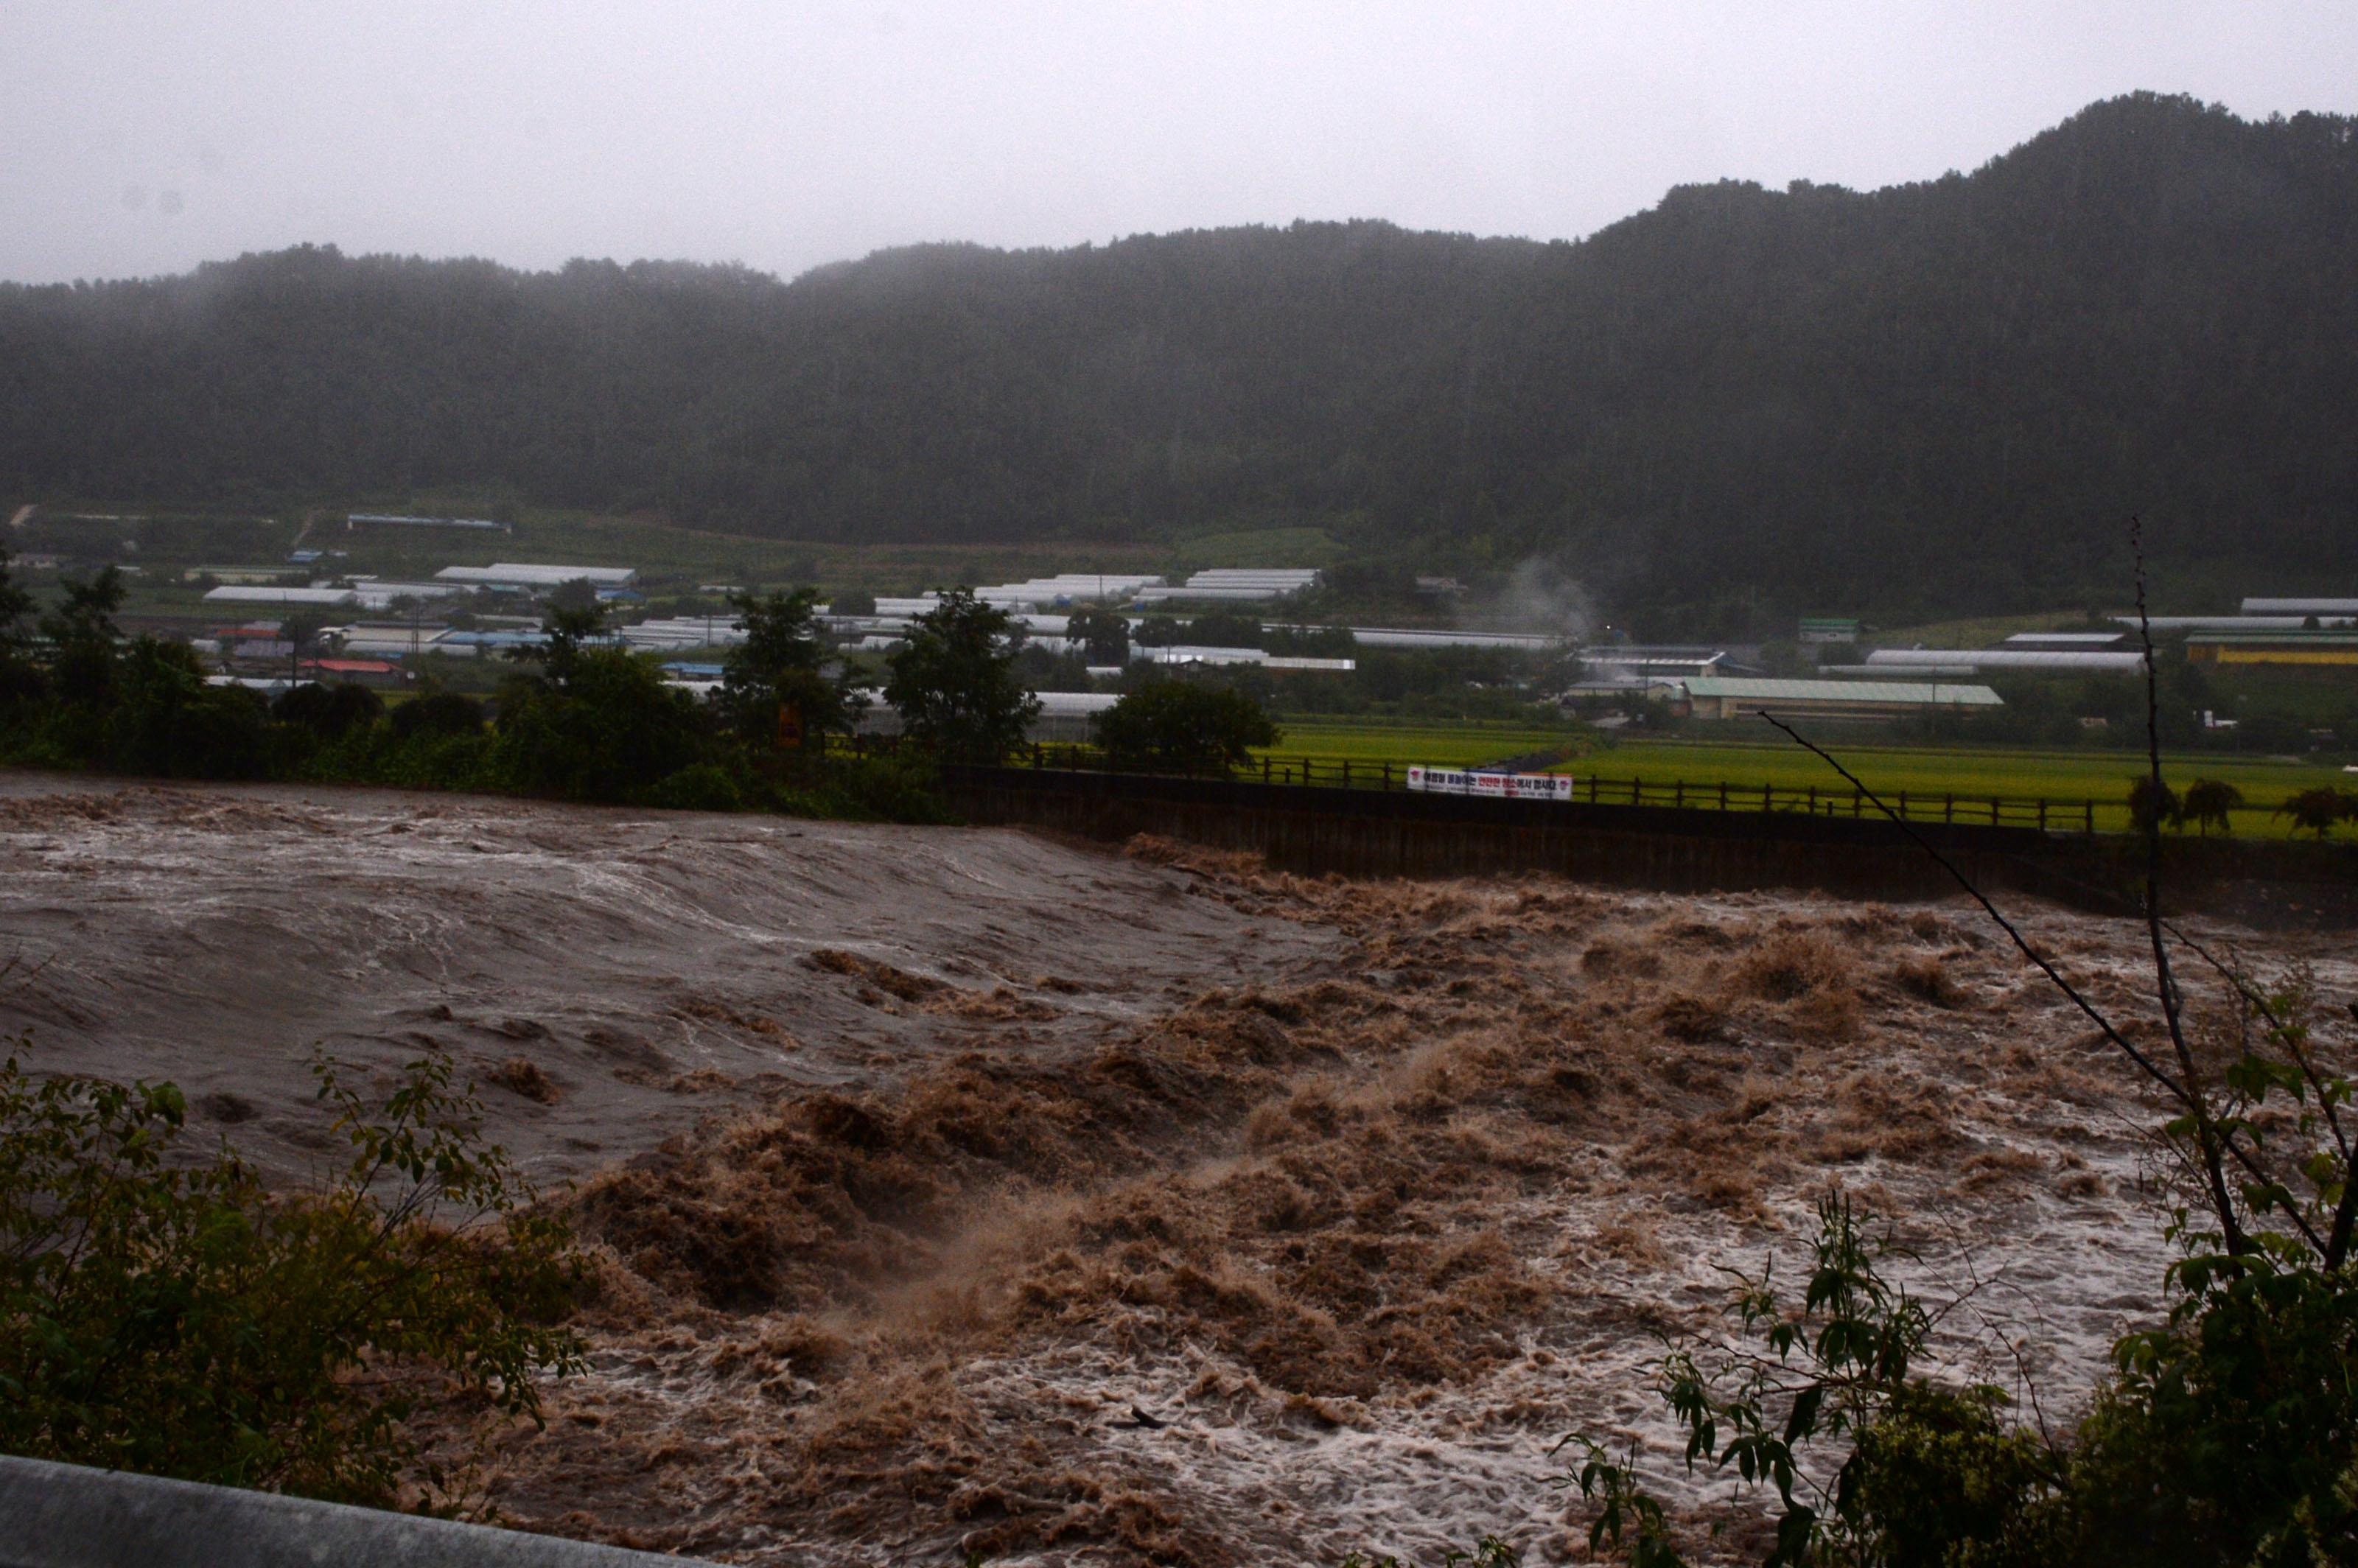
1370	833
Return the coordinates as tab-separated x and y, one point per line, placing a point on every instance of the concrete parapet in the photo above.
67	1516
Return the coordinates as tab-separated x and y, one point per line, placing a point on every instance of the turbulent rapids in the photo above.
959	1192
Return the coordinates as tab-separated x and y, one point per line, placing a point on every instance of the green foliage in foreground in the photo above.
171	1317
2227	1436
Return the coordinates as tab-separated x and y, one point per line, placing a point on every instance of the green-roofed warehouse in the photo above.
1731	697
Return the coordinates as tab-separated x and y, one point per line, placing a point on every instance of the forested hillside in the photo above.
1942	395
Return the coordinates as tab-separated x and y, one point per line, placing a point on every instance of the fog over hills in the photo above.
1940	397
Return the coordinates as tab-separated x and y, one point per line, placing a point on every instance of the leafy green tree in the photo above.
1312	642
597	723
954	681
15	608
166	720
82	639
2207	803
569	632
1103	634
172	1316
2227	1437
2317	810
1186	726
436	713
21	682
301	631
2153	804
329	712
610	729
777	667
576	593
1222	630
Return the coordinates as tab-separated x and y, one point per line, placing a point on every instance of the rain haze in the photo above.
145	138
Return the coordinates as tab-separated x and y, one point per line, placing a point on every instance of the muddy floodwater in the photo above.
653	968
958	1192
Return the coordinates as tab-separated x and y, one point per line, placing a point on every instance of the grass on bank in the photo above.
1921	770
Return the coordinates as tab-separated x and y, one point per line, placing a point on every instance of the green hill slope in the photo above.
1934	398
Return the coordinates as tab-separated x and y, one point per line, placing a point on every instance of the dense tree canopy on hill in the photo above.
1945	394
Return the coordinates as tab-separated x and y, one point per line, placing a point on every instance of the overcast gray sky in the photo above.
143	137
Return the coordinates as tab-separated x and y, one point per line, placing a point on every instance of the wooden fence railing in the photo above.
1600	789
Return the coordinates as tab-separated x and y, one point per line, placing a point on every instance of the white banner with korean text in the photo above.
1496	786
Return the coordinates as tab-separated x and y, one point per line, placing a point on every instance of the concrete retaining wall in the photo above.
65	1516
1372	833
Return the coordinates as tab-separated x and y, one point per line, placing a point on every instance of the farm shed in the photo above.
531	578
358	672
1729	696
2342	607
2023	660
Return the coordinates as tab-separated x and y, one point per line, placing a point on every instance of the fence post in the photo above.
1387	775
2042	814
1678	792
1346	773
1903	805
1949	808
1723	797
1813	800
1767	797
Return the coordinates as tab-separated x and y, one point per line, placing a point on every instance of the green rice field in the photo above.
1923	772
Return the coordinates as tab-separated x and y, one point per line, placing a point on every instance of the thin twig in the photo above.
2152	1069
2105	1025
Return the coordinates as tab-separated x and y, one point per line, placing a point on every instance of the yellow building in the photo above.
2295	645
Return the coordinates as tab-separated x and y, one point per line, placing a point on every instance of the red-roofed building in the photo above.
359	672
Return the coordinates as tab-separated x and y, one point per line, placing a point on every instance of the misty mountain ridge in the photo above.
1941	397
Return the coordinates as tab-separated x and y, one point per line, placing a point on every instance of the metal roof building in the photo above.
1236	583
1729	696
359	596
1180	655
1388	637
527	575
2064	641
1064	587
394	520
1980	660
2216	623
2300	607
243	594
723	628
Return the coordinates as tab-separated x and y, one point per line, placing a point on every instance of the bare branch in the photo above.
2206	1130
2152	1069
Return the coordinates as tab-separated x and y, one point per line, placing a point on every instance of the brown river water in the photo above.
959	1191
